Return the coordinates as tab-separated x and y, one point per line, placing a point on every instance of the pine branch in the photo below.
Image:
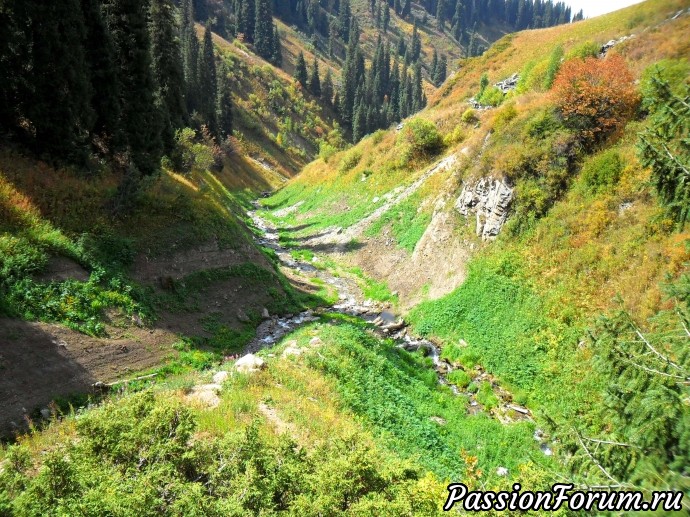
686	380
617	483
610	442
658	354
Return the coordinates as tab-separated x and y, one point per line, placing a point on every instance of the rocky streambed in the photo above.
385	324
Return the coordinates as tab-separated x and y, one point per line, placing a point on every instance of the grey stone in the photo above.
490	200
220	377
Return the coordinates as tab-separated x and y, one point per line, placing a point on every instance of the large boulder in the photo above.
250	364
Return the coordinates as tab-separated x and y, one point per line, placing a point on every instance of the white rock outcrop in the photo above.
490	200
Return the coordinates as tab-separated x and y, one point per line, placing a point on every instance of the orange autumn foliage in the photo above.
596	97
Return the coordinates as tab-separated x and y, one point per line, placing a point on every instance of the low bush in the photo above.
595	97
491	97
584	50
486	396
460	378
350	161
420	138
601	172
469	116
456	136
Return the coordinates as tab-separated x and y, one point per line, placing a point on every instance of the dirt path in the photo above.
338	237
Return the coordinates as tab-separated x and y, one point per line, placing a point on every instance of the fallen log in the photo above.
103	385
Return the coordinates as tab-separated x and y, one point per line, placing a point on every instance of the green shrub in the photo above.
543	124
421	138
553	67
483	84
584	50
486	396
469	116
326	150
525	73
673	71
189	153
491	97
469	359
504	116
602	172
454	137
535	77
377	137
460	378
350	161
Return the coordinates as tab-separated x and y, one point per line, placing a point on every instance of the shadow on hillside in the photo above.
35	369
291	229
330	247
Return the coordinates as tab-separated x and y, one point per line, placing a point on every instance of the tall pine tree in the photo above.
167	69
314	80
100	57
263	30
141	122
208	83
301	75
57	97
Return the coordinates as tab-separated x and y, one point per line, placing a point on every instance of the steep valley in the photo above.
494	290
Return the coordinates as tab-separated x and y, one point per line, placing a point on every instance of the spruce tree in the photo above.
312	16
127	20
14	51
416	45
100	58
314	85
359	120
344	20
277	56
458	21
395	91
406	9
665	146
263	29
386	17
190	56
247	21
208	82
434	66
327	88
441	71
167	69
224	107
59	92
301	70
418	101
441	15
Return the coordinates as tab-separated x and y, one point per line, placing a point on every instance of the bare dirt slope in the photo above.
40	362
